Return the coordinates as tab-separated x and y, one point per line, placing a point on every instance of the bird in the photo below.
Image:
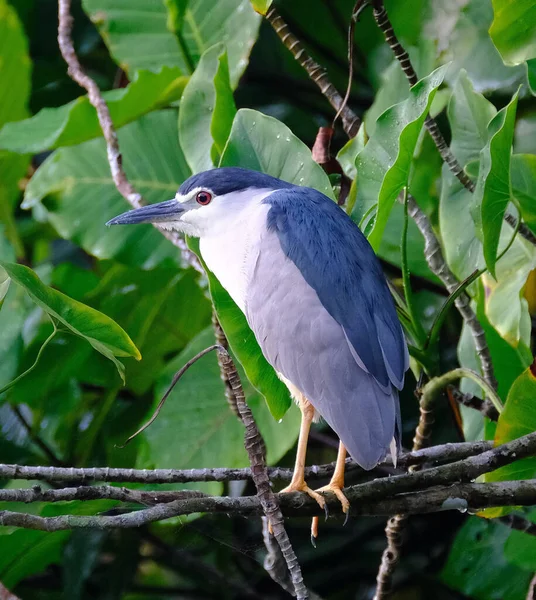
314	294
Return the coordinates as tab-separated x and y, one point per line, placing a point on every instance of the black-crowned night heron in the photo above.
314	295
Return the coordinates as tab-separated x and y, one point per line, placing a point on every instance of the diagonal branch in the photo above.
317	73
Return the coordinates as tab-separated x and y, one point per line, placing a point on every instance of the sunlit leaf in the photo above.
138	35
518	418
95	327
493	193
513	30
77	121
264	144
207	111
469	114
261	6
523	180
383	166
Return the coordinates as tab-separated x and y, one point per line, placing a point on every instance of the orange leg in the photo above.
335	486
297	483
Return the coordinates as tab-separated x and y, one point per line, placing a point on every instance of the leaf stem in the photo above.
30	369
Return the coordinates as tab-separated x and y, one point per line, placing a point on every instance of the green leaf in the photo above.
25	552
493	193
207	111
520	547
197	427
477	566
471	48
383	166
518	418
523	181
96	328
513	30
77	121
265	144
15	68
531	75
73	190
162	309
469	114
138	36
261	6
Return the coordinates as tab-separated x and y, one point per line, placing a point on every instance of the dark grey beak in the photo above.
170	210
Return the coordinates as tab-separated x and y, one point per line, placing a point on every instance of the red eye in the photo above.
203	198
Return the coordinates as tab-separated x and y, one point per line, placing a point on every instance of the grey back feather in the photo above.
304	343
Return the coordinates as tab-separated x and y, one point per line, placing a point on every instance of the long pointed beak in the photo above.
162	212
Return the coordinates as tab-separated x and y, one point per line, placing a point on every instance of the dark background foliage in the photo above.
72	409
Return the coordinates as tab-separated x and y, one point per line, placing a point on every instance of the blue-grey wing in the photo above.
346	380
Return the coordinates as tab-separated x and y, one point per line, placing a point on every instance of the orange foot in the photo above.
336	489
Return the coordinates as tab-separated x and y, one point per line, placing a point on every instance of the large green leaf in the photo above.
73	189
513	30
471	48
531	75
197	428
469	114
383	166
264	144
477	566
523	181
95	327
138	36
207	111
77	121
15	73
162	309
493	193
517	419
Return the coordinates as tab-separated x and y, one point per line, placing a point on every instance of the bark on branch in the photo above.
436	454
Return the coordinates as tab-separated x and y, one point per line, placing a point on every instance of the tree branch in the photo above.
435	454
318	74
463	497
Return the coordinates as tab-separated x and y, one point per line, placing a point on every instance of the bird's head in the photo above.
207	202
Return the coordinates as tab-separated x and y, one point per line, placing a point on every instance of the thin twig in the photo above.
436	454
256	450
383	22
483	406
351	122
519	523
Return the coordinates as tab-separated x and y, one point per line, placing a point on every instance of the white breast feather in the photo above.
231	254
